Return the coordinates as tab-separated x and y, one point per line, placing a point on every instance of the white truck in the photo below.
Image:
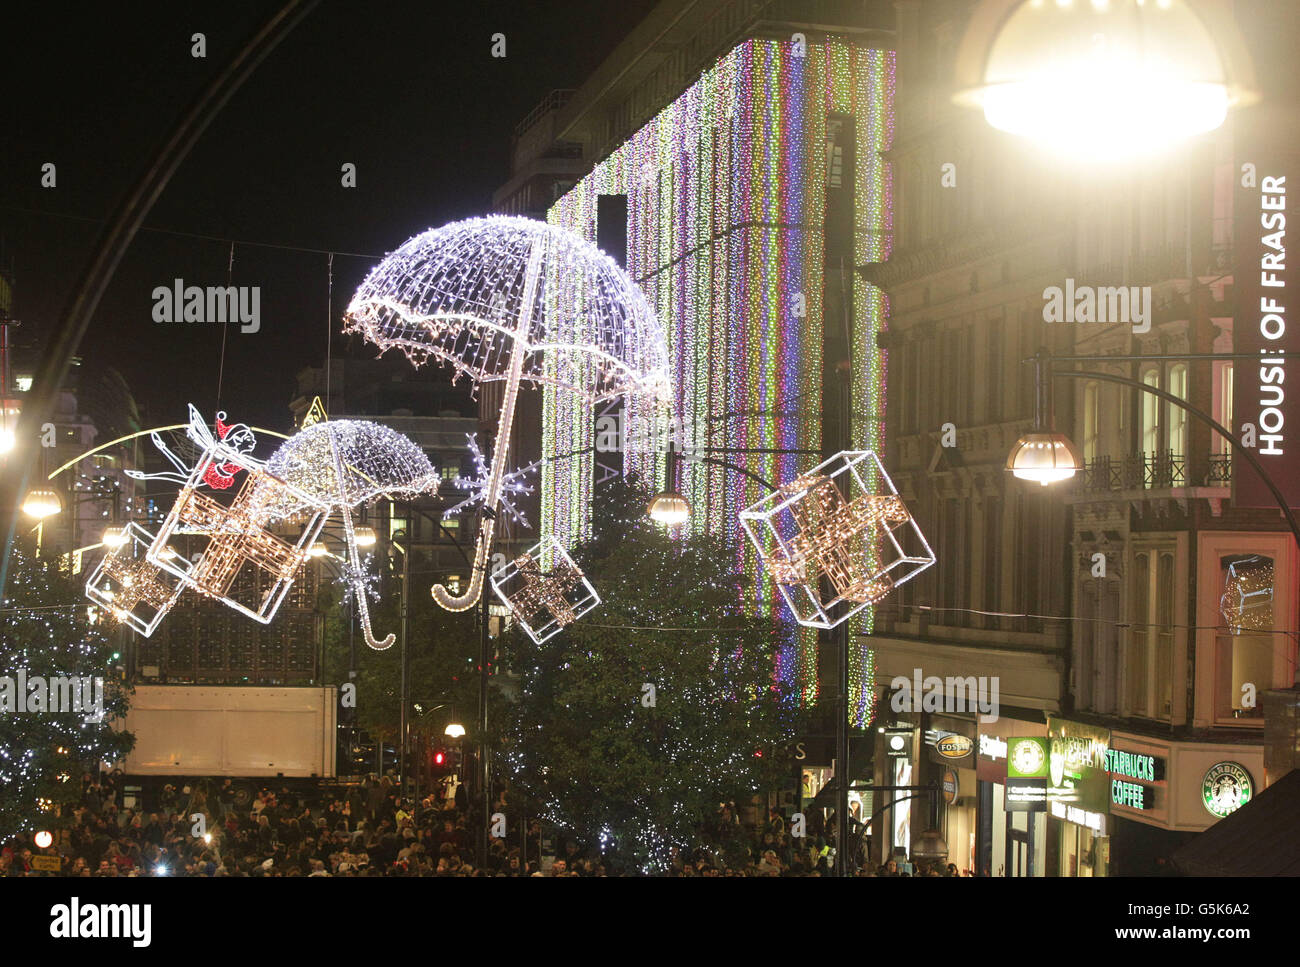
256	735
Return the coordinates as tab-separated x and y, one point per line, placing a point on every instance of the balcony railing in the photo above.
1136	471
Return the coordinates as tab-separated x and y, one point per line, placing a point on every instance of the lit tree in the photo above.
45	632
584	740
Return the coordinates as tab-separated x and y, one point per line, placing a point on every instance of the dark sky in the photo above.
408	92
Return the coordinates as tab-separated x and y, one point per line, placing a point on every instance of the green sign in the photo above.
1227	787
1027	758
1077	766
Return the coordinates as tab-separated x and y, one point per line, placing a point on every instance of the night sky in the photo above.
408	92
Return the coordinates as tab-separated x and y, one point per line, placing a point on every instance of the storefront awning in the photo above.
1259	839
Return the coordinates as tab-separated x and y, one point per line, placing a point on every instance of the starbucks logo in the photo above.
1226	788
1027	757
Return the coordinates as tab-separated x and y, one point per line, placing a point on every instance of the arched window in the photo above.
1091	419
1176	416
1151	414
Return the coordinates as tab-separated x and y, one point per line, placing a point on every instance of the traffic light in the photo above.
439	761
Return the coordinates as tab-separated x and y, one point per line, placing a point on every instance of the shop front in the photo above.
1079	797
1162	793
950	743
1011	816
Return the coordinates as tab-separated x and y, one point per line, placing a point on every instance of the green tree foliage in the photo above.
583	741
45	631
443	646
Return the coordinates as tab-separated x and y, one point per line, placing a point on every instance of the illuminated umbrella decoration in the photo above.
345	463
504	299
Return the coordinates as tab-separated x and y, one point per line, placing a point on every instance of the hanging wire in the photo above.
329	327
221	366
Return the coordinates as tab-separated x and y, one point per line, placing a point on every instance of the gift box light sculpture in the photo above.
544	590
219	529
508	300
833	539
236	534
1247	601
126	585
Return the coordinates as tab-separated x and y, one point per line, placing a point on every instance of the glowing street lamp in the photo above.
1103	80
1045	457
670	508
42	503
365	537
454	731
115	536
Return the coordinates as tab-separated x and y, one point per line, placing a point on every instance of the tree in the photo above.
638	720
46	633
443	652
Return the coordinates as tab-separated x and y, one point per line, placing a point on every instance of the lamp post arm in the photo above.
1204	418
741	470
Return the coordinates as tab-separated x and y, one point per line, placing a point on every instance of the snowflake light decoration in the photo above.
505	299
831	539
512	484
544	590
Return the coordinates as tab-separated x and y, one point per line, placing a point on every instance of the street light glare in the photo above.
670	508
455	730
1044	458
115	537
42	503
1103	82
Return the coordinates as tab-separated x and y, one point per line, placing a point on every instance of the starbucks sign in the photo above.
1227	787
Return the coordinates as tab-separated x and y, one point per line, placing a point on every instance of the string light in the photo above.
544	602
377	461
727	191
504	299
811	528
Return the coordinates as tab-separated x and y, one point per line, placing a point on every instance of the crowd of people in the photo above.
369	829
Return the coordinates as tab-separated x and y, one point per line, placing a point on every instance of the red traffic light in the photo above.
439	757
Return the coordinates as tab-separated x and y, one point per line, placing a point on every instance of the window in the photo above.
1223	404
1091	419
1244	659
1151	414
993	382
1150	661
1176	416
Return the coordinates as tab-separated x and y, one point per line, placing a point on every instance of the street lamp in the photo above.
1044	457
454	731
42	503
115	536
365	536
670	508
1103	80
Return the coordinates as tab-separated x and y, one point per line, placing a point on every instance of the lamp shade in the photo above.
1044	457
115	536
42	503
1103	80
455	730
365	536
670	508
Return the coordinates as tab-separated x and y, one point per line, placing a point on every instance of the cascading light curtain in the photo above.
726	196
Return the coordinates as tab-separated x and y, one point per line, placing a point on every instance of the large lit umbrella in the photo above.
345	463
505	299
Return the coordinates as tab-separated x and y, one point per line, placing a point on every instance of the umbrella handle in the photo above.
358	583
463	602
